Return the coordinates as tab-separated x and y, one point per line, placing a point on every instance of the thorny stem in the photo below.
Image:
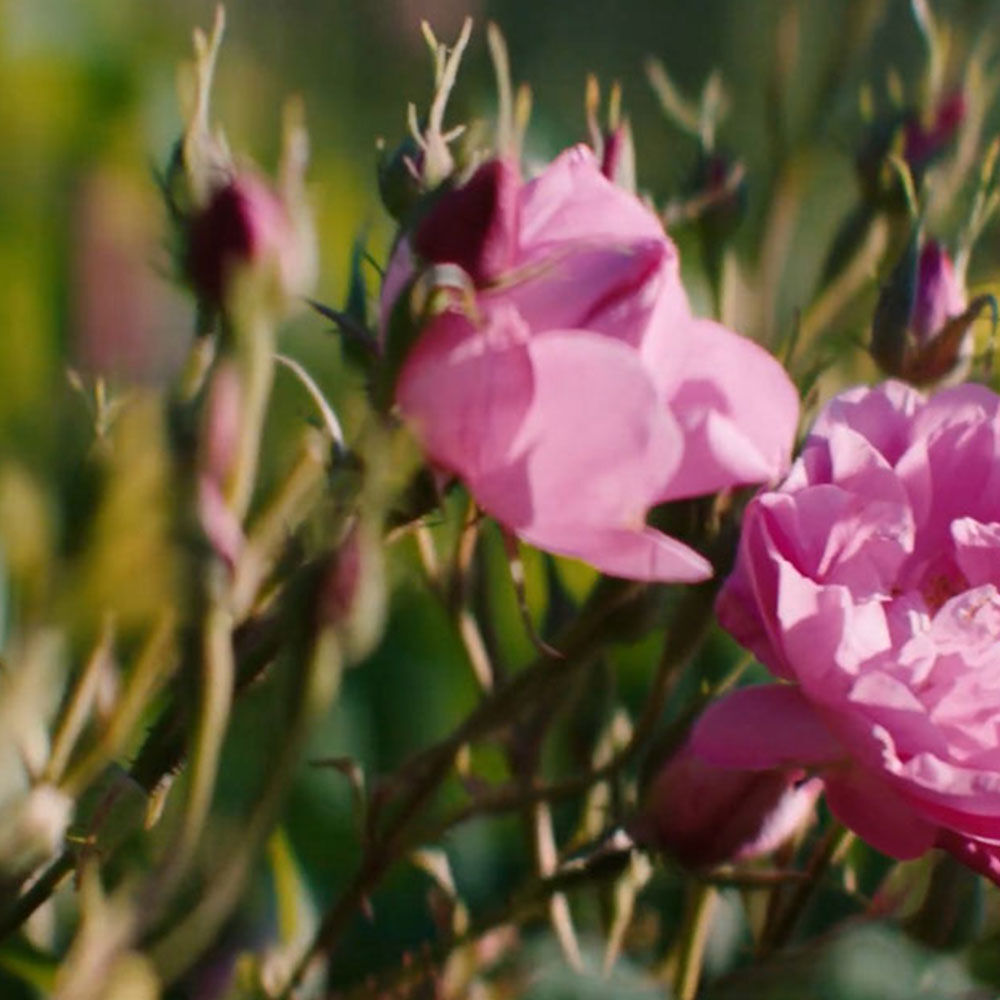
692	618
537	815
172	953
254	642
831	847
423	774
694	937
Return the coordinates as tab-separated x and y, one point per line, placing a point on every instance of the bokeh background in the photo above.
88	115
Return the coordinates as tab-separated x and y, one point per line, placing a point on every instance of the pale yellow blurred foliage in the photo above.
129	568
26	528
32	676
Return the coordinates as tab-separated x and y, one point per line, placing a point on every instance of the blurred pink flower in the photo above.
870	584
580	391
706	815
124	316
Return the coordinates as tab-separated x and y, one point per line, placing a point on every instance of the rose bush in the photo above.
577	390
869	583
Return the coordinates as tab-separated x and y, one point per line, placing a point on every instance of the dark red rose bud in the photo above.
705	815
618	158
922	329
476	225
924	141
246	223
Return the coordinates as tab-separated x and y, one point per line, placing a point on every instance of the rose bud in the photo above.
352	593
474	226
247	227
618	157
705	815
218	445
399	182
920	138
924	140
720	190
922	326
240	235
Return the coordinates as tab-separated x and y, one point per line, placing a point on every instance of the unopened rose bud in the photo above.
925	139
940	296
476	225
618	157
399	179
720	188
246	225
218	447
922	327
705	815
352	597
919	138
220	424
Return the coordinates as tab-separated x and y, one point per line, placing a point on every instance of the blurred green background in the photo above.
88	114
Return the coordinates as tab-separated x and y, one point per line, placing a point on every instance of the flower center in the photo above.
940	582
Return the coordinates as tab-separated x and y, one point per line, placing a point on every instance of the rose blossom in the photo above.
580	391
869	583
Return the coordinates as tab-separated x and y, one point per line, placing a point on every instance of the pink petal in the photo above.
738	408
979	855
572	200
882	415
596	444
763	727
475	225
746	603
878	814
640	554
608	288
977	550
467	392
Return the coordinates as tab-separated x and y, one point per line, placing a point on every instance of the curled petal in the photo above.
735	435
768	726
878	814
572	200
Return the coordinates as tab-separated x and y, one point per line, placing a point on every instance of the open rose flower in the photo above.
869	583
580	391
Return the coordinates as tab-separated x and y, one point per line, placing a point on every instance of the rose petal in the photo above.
468	392
878	814
762	727
572	200
734	436
979	855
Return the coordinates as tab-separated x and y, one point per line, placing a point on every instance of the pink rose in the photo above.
869	583
580	391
